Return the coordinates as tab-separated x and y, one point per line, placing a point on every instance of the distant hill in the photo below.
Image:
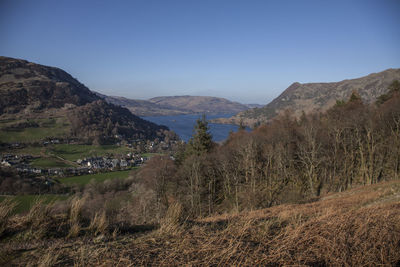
143	107
310	97
200	104
177	105
49	102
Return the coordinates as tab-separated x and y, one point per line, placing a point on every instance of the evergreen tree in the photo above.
201	141
242	127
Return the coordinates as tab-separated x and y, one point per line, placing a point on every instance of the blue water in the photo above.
183	125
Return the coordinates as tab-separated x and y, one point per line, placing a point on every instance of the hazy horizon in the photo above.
245	51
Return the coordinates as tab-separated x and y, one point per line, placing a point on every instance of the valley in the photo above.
80	172
199	133
56	135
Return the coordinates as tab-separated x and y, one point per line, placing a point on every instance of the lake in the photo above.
183	125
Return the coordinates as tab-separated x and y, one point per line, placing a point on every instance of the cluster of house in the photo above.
9	160
22	164
51	141
87	165
130	160
71	171
19	162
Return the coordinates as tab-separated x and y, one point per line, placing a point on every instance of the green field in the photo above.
48	128
30	150
50	162
74	152
98	177
25	202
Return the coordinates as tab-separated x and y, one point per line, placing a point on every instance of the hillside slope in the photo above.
359	227
310	97
26	85
54	104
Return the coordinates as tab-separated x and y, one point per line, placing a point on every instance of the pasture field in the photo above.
50	162
73	152
54	127
98	177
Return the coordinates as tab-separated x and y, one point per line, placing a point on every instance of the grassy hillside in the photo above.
33	129
359	227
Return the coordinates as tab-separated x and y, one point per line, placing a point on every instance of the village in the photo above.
84	166
136	153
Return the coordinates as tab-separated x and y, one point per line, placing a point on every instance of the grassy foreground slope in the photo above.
354	228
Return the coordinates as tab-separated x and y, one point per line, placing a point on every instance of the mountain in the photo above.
200	104
177	105
310	97
29	86
51	103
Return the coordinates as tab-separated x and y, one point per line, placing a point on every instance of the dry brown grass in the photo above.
33	225
170	223
6	208
74	216
99	224
360	227
49	258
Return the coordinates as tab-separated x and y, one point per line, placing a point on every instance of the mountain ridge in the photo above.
309	97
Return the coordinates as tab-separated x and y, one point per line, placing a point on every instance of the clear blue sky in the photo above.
247	51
